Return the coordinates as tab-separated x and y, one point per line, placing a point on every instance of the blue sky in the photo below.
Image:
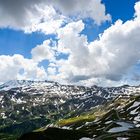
14	41
19	38
120	9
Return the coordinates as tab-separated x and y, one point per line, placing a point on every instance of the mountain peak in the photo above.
21	83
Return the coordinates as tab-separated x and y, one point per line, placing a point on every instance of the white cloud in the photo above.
51	70
43	52
137	9
104	61
30	16
41	15
82	9
47	20
107	59
10	67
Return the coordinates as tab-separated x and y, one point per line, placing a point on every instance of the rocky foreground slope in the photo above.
116	120
29	105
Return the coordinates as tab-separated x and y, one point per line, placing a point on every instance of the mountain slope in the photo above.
118	122
41	103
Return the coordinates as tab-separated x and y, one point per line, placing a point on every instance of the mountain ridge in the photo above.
41	103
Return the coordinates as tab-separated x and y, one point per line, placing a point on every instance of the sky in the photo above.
94	42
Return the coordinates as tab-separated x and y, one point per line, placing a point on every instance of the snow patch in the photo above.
84	138
123	127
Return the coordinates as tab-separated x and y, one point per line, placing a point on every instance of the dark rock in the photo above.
54	134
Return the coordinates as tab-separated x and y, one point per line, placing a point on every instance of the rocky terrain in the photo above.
116	120
29	105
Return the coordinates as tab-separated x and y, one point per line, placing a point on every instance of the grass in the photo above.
70	121
89	117
7	137
96	113
40	129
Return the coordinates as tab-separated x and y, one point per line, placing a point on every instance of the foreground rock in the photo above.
54	134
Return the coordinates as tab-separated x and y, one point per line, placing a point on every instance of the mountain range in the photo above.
47	110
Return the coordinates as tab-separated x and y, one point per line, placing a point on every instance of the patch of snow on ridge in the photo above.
124	126
24	83
137	119
135	104
86	138
120	138
14	84
134	112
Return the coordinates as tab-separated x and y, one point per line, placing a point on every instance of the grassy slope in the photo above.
96	113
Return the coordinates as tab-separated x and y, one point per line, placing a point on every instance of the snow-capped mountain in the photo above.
49	97
39	103
46	97
22	83
116	120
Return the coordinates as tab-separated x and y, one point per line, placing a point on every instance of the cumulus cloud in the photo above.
41	15
51	70
137	9
43	52
11	67
107	59
91	8
104	61
29	16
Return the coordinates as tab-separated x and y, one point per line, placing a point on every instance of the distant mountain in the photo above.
29	105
